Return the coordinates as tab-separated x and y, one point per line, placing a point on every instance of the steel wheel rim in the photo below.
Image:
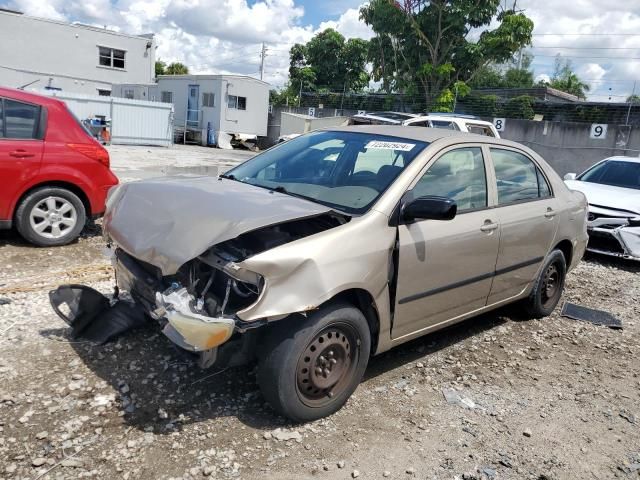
327	364
550	284
53	217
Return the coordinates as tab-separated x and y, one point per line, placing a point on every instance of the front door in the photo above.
193	108
21	147
445	267
527	214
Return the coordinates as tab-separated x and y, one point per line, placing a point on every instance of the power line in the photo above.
590	48
587	34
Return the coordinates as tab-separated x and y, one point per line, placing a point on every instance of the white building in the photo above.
232	104
77	58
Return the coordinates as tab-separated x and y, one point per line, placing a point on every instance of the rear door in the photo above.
527	211
22	127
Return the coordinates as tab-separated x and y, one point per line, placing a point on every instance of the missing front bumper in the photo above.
619	241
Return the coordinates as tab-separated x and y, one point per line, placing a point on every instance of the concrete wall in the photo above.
65	56
567	147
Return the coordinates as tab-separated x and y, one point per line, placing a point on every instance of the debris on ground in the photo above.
598	317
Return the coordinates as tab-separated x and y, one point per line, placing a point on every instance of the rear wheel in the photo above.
50	216
311	366
548	288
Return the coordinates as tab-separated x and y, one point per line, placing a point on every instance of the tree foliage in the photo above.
428	49
175	68
566	80
329	62
635	99
516	73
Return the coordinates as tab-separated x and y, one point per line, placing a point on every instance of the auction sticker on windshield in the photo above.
405	147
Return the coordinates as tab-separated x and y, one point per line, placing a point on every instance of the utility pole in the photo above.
300	94
631	102
263	53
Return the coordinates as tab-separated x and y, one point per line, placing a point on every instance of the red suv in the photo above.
53	173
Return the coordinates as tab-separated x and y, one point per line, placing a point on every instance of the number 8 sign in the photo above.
598	131
499	123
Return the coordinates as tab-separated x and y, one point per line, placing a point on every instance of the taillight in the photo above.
94	152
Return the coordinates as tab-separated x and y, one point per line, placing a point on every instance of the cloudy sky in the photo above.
602	38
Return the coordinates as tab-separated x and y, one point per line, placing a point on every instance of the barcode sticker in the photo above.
405	147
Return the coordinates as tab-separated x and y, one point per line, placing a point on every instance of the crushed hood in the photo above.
608	196
169	221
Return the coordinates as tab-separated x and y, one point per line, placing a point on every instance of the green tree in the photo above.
633	99
516	73
161	67
427	49
566	80
176	68
328	62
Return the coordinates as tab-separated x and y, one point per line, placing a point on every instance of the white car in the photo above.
460	123
612	188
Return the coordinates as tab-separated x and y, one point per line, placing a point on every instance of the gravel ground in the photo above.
493	397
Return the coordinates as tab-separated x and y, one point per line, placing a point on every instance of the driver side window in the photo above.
458	174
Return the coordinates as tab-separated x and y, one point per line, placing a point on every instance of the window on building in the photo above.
519	179
104	93
110	57
129	93
166	97
20	120
239	103
208	99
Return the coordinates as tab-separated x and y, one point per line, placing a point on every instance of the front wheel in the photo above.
310	366
548	288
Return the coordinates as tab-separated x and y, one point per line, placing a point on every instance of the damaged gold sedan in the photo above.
333	247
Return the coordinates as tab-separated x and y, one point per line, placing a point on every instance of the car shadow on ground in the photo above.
615	262
162	388
12	237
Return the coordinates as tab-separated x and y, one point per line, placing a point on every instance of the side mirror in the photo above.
570	176
429	208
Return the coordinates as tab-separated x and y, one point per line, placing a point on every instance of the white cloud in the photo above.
349	25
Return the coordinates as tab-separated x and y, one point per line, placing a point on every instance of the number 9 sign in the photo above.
598	131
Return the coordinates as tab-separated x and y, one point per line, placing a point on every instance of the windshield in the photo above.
344	170
614	172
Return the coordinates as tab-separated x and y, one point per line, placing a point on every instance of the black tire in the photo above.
287	369
69	226
548	288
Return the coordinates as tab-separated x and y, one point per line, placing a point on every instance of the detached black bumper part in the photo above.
92	316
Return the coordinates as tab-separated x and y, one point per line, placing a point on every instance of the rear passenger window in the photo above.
459	175
444	125
21	120
480	129
519	179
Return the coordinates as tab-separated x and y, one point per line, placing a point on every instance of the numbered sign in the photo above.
499	123
362	112
270	108
598	131
312	111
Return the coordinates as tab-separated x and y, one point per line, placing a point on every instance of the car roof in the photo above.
28	97
449	118
429	135
621	158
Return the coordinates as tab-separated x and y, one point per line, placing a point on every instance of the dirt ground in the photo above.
548	399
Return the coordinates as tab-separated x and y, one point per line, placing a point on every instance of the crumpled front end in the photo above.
613	232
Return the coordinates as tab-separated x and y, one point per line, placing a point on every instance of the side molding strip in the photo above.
468	281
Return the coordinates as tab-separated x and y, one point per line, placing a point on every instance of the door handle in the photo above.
550	213
21	154
488	226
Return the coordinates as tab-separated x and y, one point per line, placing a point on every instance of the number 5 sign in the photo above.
499	123
598	131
